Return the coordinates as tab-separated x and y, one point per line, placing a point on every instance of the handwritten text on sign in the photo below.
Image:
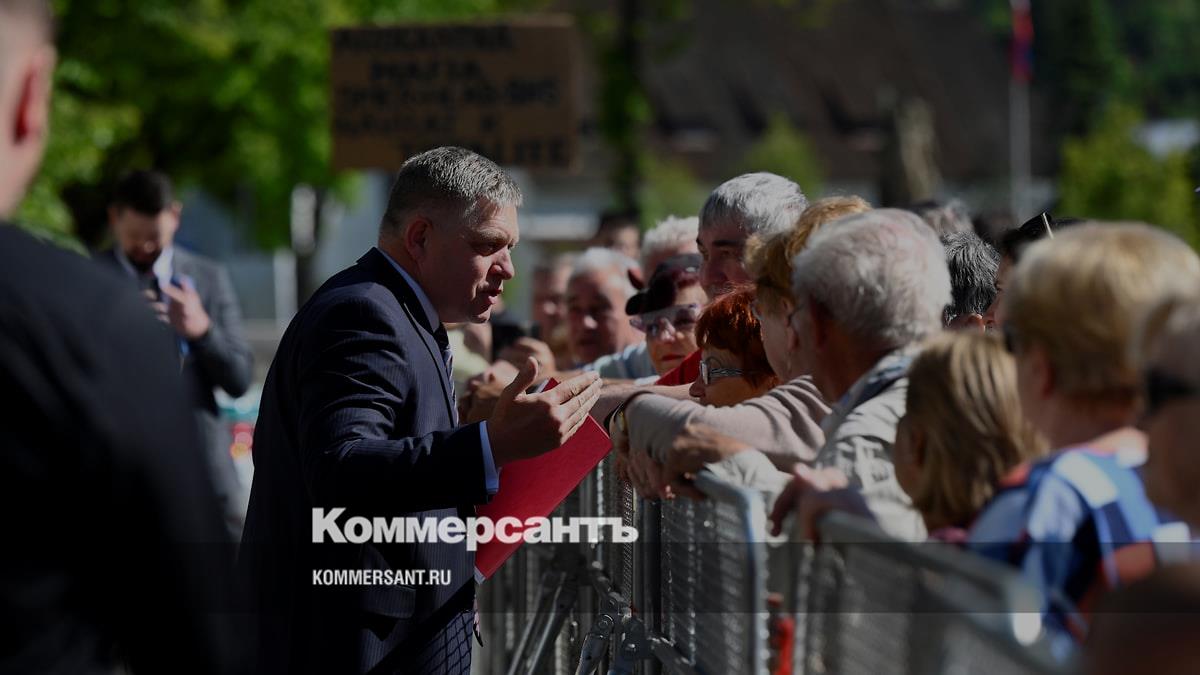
505	90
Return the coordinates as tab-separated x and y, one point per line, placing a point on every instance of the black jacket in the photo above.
356	412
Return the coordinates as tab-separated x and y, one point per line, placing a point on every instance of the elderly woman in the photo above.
733	365
1076	520
667	311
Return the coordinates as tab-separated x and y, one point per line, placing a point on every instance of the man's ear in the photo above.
32	120
416	237
974	323
114	213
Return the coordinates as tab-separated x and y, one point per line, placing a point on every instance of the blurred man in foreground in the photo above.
116	553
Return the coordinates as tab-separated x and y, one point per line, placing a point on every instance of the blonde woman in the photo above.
1078	523
962	432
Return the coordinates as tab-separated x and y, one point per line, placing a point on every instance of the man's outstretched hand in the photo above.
527	425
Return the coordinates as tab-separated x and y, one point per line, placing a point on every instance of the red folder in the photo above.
534	487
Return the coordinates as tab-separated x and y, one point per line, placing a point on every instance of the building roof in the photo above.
715	79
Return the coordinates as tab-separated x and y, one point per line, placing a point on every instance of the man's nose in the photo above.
590	322
504	265
697	388
711	277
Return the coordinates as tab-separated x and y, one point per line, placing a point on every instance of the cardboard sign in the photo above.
506	90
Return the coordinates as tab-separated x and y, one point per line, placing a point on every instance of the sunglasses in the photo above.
678	319
708	373
1159	389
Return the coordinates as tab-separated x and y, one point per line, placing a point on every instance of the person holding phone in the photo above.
194	297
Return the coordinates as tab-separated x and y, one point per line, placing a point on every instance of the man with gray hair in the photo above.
748	205
598	330
867	291
358	418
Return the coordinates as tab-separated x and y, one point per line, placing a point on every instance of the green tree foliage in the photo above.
1165	53
1108	175
1078	51
669	188
783	149
228	95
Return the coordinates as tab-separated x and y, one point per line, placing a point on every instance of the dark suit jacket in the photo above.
356	413
114	544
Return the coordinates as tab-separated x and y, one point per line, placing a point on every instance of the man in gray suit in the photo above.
193	296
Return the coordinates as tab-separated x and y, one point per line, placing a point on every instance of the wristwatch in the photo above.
616	421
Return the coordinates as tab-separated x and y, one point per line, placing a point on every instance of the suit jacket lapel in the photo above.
382	271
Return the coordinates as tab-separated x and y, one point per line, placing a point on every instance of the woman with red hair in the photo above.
733	363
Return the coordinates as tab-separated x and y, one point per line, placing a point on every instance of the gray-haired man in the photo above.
742	207
358	413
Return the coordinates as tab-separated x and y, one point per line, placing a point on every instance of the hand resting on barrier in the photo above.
697	446
638	468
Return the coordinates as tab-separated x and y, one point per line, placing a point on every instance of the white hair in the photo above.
881	275
673	233
616	264
759	203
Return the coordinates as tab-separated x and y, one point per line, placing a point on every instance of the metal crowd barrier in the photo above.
713	616
866	603
690	597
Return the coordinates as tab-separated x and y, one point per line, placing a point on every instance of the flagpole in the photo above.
1021	71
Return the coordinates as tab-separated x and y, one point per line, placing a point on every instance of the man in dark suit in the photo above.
358	413
114	548
194	297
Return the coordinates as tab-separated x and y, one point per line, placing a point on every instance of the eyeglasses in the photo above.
1159	389
677	319
709	373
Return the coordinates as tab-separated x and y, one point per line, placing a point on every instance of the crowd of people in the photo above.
1033	400
1029	400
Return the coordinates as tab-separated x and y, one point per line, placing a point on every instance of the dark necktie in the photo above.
443	341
